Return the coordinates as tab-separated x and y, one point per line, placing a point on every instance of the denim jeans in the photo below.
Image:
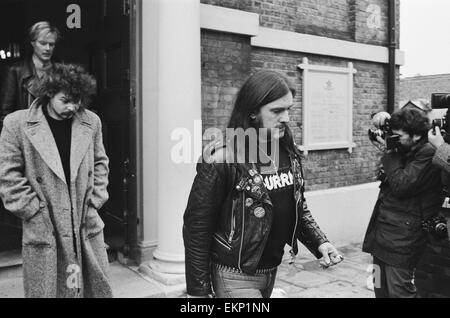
232	283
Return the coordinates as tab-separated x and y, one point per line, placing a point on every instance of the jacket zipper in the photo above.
221	241
242	231
233	224
292	259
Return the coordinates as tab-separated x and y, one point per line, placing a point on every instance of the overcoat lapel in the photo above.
41	137
82	130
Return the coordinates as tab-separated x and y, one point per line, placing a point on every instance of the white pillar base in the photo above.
166	273
166	268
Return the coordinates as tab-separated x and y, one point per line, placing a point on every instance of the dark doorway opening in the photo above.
96	34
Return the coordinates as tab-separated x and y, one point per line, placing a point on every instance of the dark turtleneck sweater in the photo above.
62	133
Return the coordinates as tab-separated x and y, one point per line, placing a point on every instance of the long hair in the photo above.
259	90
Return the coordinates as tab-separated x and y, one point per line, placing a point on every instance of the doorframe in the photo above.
136	137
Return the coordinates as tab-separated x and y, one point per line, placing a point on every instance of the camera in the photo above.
442	123
436	226
440	100
381	175
381	122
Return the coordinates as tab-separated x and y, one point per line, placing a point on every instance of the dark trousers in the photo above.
393	282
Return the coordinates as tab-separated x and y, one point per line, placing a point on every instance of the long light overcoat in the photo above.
63	247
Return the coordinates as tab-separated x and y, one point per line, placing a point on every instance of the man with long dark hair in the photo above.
247	202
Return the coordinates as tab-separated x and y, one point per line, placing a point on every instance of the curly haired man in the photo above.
53	175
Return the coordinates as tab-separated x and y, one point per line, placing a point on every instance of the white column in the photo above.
174	102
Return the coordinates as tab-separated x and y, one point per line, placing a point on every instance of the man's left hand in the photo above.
435	137
330	254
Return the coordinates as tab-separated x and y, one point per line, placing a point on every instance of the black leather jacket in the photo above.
15	93
220	228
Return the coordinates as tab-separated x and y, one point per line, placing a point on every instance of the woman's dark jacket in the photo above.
410	193
220	228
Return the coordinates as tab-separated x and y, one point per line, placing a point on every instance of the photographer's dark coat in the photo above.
410	193
442	160
62	231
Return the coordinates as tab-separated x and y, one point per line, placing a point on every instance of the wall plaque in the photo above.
327	107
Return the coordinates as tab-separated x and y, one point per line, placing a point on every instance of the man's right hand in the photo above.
435	137
380	143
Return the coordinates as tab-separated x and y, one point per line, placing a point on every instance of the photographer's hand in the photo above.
435	137
380	144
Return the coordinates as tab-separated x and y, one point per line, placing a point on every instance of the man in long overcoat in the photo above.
54	175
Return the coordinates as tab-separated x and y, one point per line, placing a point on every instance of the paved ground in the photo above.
126	283
304	279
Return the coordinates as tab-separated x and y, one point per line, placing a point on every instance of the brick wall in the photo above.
225	66
339	19
422	86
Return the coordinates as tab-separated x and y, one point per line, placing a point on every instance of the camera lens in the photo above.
441	228
437	123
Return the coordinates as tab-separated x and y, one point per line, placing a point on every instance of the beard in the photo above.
268	133
406	147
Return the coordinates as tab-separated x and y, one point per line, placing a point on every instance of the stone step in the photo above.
11	282
10	258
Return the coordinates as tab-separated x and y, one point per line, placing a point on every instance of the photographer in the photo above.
409	194
441	160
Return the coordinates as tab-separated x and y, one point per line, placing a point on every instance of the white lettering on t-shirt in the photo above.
274	182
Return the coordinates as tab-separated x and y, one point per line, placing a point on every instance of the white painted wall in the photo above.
343	213
228	20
